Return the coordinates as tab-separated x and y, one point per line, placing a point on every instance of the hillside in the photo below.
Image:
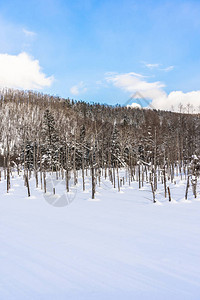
33	125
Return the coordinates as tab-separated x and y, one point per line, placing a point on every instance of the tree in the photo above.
50	142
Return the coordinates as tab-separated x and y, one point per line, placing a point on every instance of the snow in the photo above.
134	105
121	246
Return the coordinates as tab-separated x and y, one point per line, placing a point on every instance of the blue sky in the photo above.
103	51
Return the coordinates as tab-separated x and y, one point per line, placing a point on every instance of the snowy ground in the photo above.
120	246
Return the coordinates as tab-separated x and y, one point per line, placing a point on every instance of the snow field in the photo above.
120	246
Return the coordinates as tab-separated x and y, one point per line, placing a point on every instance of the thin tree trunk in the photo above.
93	182
153	192
165	185
187	187
169	193
27	184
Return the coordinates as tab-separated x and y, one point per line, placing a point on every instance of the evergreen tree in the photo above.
50	142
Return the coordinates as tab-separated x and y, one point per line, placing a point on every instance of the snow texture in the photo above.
120	246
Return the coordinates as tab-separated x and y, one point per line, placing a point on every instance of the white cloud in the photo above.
29	33
170	68
136	84
175	98
152	66
22	71
133	82
157	66
78	89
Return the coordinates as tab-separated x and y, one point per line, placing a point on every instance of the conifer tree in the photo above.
50	142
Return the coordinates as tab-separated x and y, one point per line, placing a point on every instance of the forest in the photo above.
42	133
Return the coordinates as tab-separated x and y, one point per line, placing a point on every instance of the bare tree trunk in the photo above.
83	172
67	169
153	192
27	184
114	178
8	166
118	183
187	187
194	187
44	179
40	169
8	180
74	166
139	175
93	182
169	193
165	185
36	178
67	179
142	176
155	161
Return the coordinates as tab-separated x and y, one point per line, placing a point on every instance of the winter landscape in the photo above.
97	207
99	150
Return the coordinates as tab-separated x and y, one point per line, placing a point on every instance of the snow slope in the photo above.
120	246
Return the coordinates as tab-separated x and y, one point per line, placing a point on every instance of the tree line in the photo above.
42	133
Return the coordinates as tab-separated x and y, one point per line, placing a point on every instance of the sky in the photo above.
103	51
